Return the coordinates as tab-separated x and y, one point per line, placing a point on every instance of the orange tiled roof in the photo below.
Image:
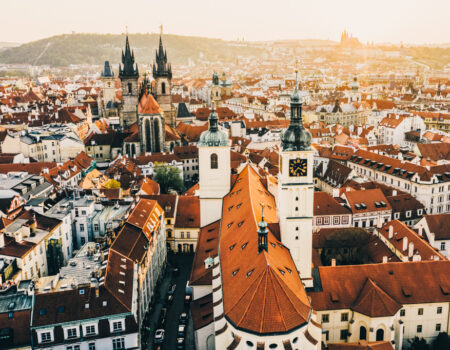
262	292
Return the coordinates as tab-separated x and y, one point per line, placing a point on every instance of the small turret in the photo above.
262	232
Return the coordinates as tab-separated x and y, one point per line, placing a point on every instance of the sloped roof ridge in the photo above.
370	288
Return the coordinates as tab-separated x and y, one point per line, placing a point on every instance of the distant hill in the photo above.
63	50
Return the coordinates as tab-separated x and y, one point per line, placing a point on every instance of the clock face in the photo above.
298	167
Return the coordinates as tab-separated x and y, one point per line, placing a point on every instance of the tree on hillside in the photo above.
349	246
112	184
169	178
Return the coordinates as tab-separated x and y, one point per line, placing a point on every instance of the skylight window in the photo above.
238	206
229	225
235	272
240	224
230	208
232	246
244	245
281	271
249	273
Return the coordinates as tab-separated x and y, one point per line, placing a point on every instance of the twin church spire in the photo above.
128	67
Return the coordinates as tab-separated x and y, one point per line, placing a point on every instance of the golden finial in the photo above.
161	29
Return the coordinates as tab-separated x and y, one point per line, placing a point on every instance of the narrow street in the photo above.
174	309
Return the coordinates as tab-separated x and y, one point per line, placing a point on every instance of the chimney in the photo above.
405	243
394	192
97	290
421	231
410	249
209	262
391	231
385	259
333	262
2	240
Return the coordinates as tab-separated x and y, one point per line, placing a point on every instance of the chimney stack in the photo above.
405	243
391	231
333	262
394	192
385	259
410	249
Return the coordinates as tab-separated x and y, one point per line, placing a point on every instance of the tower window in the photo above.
163	88
130	89
214	161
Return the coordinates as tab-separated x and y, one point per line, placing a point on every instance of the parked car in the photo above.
169	299
187	299
183	318
163	317
181	331
180	343
159	336
172	289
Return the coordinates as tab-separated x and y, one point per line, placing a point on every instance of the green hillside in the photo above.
63	50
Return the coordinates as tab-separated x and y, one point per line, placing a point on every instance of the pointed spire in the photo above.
262	232
161	68
128	67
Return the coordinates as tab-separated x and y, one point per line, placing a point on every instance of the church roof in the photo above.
148	105
262	291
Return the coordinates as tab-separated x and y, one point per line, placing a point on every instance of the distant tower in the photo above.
296	190
215	171
355	95
216	91
108	87
129	75
162	73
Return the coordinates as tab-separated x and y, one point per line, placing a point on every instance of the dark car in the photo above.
172	289
163	317
169	299
183	318
180	343
159	336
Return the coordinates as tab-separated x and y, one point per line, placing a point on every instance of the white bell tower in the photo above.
296	191
214	171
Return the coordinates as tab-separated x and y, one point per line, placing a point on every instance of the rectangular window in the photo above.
420	311
325	318
344	334
319	221
118	344
345	220
117	326
96	227
45	337
336	220
419	328
402	312
442	245
91	346
439	310
326	220
82	227
90	330
438	327
344	317
71	333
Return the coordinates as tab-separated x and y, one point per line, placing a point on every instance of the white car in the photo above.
159	336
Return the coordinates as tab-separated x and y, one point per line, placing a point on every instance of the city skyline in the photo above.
253	21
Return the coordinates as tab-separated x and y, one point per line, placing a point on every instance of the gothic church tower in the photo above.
129	75
162	73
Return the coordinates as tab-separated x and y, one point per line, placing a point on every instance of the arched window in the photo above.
163	88
380	334
362	333
130	89
214	161
169	233
148	147
156	130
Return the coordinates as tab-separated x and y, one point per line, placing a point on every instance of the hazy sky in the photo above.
410	21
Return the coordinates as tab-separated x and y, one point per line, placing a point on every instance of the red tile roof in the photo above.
148	105
439	225
262	291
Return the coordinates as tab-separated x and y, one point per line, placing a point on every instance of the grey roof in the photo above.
15	302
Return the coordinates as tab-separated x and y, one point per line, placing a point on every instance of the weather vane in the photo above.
161	29
126	30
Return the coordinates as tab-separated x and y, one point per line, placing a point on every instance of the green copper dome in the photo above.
213	137
296	137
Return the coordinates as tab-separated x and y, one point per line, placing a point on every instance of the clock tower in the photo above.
296	191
